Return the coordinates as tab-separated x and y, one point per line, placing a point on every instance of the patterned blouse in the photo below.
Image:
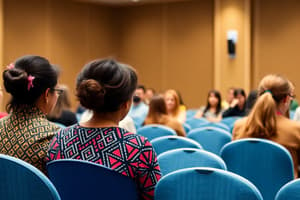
127	153
25	134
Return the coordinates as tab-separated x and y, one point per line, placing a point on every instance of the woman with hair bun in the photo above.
268	119
25	133
106	87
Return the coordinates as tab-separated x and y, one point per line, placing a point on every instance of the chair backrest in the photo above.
166	143
229	121
210	138
176	159
196	122
187	128
20	180
154	131
217	125
190	113
266	164
290	191
78	179
205	183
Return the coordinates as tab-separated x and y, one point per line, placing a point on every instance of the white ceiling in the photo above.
127	2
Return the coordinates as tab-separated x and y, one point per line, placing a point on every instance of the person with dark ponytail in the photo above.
268	117
25	133
106	87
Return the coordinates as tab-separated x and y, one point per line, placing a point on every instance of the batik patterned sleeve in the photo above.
148	171
54	149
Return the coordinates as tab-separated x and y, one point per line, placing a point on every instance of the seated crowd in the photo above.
40	127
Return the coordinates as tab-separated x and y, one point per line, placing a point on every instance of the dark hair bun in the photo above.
15	81
91	94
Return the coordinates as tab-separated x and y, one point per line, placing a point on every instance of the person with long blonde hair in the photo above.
268	118
158	115
173	106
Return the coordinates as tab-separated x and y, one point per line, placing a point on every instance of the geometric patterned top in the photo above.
127	153
25	134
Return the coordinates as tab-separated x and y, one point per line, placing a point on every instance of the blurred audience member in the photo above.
139	109
238	105
267	118
150	92
173	106
251	99
158	115
230	96
62	111
213	110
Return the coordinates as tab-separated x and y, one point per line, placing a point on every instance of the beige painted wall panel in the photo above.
25	23
189	49
141	42
276	39
68	33
171	45
232	72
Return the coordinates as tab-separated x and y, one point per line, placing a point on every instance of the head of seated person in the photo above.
62	111
106	87
157	110
213	109
158	115
31	81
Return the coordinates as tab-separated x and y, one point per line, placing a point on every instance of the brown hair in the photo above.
174	94
103	85
261	121
157	109
16	80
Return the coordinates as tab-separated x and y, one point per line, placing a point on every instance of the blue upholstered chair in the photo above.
196	122
20	180
290	191
205	184
154	131
266	164
78	179
190	113
187	128
229	121
210	138
176	159
167	143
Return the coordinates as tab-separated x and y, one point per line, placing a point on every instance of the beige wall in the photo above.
69	34
276	41
232	72
171	46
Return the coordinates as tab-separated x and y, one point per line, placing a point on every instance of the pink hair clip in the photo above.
10	66
30	82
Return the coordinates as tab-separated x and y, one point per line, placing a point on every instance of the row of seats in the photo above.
254	156
68	180
264	163
210	138
76	179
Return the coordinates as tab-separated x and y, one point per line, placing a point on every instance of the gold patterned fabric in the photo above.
25	134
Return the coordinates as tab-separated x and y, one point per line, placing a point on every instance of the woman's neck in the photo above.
103	120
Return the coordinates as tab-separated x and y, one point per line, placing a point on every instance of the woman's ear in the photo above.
46	94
